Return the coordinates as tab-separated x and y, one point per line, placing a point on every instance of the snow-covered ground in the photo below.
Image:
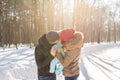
98	62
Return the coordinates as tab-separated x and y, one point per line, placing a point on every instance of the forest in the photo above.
24	21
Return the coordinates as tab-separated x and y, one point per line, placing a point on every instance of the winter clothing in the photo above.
66	34
72	56
55	65
52	36
43	57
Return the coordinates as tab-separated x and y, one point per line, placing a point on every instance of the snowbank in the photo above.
97	62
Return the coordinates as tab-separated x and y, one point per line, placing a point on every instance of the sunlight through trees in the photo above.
24	21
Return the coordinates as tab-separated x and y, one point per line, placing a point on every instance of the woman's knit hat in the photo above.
52	36
67	34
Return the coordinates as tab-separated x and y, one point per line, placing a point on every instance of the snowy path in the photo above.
101	62
98	62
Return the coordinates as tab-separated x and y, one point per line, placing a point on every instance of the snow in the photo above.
97	62
17	64
101	62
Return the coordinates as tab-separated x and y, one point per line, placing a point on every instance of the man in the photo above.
43	56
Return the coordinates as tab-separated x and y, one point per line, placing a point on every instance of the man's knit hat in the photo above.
52	36
67	34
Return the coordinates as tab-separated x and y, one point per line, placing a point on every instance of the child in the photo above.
55	65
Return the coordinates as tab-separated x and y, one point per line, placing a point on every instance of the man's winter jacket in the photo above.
43	57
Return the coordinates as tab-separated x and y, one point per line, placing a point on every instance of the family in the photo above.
59	53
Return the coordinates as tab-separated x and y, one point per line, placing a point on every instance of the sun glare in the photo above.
68	5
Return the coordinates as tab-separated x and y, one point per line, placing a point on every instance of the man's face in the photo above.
58	40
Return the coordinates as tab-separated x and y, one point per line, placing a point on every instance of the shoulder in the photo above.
78	36
76	41
37	48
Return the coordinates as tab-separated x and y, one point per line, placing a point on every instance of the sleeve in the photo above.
42	60
68	58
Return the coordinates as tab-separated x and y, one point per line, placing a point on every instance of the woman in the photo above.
73	42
